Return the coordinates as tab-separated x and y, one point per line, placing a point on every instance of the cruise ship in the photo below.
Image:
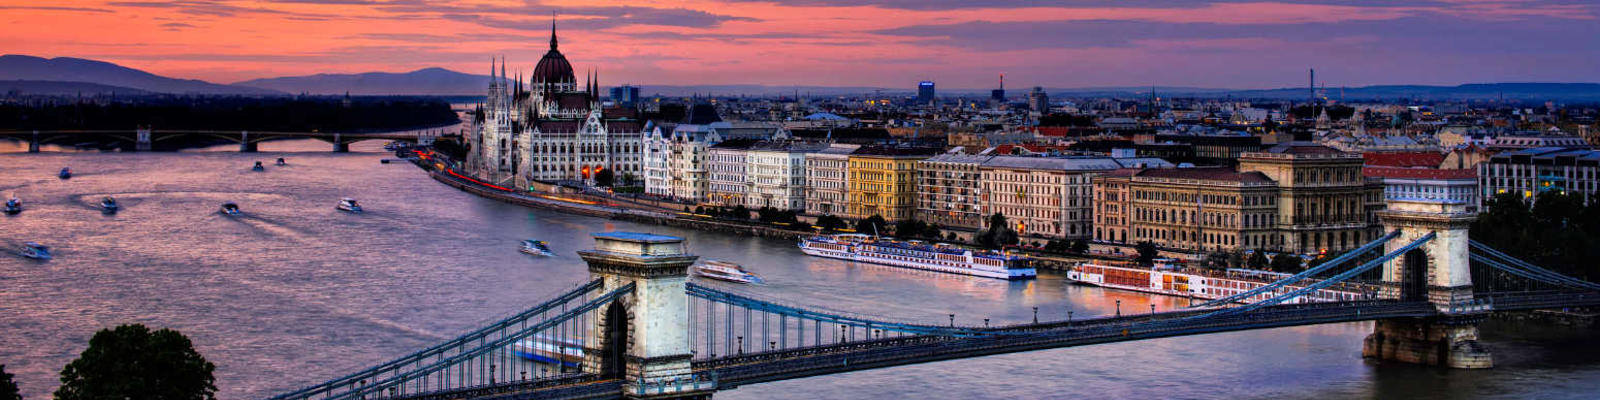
1167	279
917	255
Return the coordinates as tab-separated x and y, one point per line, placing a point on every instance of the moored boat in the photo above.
13	206
536	247
725	271
1169	278
109	205
934	257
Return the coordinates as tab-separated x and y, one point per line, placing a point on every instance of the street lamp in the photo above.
1119	308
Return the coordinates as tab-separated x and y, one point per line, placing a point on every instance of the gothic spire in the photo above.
552	30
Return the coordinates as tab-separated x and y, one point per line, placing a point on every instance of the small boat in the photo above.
348	204
109	205
66	173
281	163
258	167
549	350
536	247
230	208
35	251
725	271
13	206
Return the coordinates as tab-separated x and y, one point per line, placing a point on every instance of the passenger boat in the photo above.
1167	278
549	350
35	251
109	205
348	204
13	206
258	167
536	247
66	173
230	208
934	257
725	271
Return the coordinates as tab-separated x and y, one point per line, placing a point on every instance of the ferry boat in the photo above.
109	205
935	257
35	251
13	206
725	271
348	204
258	167
1167	278
536	247
66	173
230	208
548	350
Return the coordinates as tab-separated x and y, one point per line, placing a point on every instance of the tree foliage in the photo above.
773	215
1147	252
998	235
831	223
1257	260
875	225
1557	231
605	178
8	388
131	362
1286	263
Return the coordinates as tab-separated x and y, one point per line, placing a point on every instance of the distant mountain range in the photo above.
67	69
67	76
428	81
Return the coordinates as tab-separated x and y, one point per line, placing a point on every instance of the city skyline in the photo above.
883	43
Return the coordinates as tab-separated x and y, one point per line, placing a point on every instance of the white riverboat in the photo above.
930	257
1167	278
725	271
536	247
349	205
550	350
35	251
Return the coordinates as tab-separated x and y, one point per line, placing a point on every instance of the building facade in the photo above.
776	174
949	189
1322	204
883	181
1574	171
726	170
827	179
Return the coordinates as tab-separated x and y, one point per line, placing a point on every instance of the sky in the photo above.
882	43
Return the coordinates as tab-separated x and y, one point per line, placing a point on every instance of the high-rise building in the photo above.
925	92
625	95
999	95
1039	101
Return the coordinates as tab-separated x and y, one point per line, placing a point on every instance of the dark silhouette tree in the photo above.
831	223
605	178
8	388
131	362
1079	246
998	235
872	225
1285	262
1147	253
1258	260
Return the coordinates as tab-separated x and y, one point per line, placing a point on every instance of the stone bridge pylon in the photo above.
643	338
1438	272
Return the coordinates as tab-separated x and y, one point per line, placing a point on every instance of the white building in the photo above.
827	179
726	168
1428	184
676	156
776	174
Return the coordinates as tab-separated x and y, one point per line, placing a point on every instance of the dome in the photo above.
554	68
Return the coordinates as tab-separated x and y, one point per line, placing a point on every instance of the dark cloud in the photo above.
533	16
966	4
55	8
176	25
214	8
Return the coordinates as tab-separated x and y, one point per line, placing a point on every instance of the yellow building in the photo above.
883	181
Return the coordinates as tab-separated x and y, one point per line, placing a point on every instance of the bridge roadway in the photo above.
758	367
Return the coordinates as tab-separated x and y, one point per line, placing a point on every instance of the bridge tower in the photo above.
33	145
339	145
643	337
141	138
246	145
1437	272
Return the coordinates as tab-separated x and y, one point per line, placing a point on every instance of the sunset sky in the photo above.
889	43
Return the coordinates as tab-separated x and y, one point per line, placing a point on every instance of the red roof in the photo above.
1407	159
1418	173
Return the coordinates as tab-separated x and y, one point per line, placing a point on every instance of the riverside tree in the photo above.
8	388
131	362
998	235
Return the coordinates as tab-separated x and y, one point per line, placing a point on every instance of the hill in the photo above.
427	81
67	69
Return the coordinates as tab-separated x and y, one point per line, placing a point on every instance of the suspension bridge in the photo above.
144	139
641	330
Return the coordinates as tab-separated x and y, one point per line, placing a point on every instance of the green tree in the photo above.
132	363
1258	260
1079	246
909	229
998	235
932	231
1285	262
8	388
830	223
1217	260
628	179
1147	253
739	212
874	225
605	178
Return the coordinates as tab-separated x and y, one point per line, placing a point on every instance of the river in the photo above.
295	292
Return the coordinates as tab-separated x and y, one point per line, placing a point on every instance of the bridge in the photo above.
144	139
640	330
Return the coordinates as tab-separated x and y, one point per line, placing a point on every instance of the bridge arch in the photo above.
615	342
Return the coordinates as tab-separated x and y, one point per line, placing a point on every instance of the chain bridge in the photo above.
143	139
641	330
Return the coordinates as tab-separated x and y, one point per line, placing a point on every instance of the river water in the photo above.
295	292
